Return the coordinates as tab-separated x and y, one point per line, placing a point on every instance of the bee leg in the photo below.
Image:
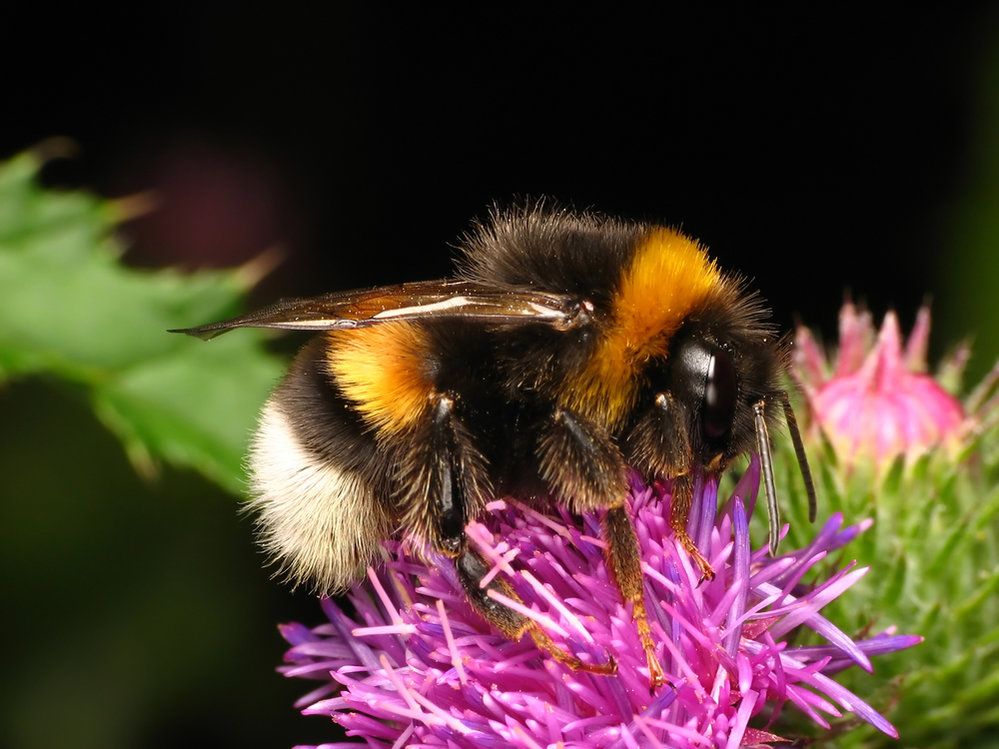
471	569
580	463
683	493
442	477
449	447
624	559
659	446
457	482
585	471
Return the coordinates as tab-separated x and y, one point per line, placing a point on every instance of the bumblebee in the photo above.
566	348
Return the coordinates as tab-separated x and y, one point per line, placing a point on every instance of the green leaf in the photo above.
72	310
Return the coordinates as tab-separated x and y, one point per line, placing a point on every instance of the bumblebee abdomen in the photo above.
386	372
317	480
320	522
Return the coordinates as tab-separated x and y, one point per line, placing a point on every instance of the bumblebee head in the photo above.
719	374
716	394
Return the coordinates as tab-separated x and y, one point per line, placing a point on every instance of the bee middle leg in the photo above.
585	471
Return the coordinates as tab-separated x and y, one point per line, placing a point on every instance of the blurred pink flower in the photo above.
877	402
414	665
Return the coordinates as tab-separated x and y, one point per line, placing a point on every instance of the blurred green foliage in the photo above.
968	259
73	311
136	612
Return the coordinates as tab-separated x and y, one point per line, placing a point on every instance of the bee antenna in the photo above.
799	451
767	464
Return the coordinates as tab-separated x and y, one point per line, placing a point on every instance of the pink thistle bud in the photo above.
878	403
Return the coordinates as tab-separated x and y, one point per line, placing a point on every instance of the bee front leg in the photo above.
585	471
680	503
658	445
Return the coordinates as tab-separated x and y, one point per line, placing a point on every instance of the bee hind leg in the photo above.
514	625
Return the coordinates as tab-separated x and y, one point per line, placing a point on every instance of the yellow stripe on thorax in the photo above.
383	371
669	276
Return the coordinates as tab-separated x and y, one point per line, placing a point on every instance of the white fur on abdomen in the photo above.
321	524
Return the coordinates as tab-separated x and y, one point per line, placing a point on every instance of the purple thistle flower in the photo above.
416	666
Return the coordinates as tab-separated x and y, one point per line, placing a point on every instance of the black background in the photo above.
808	150
814	151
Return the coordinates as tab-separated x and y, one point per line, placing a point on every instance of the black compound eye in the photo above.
721	390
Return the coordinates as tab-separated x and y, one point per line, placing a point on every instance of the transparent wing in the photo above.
419	300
